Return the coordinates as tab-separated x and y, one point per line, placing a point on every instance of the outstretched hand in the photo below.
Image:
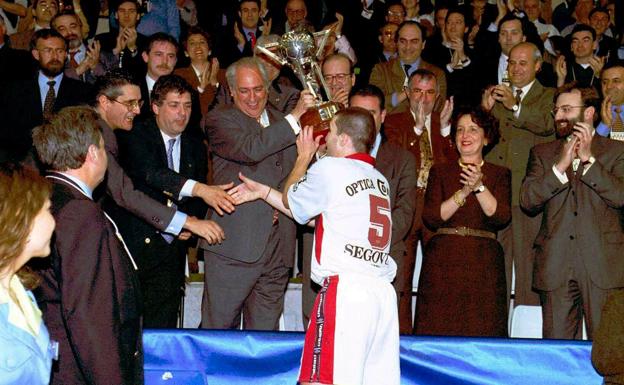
248	191
217	197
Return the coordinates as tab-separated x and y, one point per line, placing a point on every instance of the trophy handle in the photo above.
322	35
319	75
271	55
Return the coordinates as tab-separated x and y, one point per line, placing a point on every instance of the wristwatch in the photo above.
479	189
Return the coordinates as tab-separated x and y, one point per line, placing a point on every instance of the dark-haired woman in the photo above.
462	290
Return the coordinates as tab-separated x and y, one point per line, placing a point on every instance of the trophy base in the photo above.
319	118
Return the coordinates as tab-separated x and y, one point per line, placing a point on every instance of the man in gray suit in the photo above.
523	110
248	272
577	183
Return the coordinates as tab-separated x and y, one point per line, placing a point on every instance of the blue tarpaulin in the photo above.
220	357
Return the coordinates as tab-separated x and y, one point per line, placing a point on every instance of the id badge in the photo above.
367	13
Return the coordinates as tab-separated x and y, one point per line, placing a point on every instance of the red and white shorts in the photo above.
353	335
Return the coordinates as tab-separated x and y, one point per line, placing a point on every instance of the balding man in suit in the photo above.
248	271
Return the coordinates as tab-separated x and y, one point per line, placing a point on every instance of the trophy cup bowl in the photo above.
299	50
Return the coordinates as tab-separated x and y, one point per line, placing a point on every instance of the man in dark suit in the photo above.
90	294
577	183
14	63
25	104
125	42
424	133
449	51
238	40
248	272
399	168
160	157
492	52
523	111
117	103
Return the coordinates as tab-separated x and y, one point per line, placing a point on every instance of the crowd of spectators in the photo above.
498	129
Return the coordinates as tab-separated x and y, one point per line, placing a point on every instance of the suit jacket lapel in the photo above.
158	142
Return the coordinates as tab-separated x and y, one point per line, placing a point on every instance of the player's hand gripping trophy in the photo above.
300	50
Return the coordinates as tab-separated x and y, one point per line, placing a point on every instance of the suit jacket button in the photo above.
571	237
277	163
147	241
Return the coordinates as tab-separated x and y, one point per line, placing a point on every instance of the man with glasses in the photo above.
391	77
117	103
523	110
337	70
576	182
169	166
425	133
27	103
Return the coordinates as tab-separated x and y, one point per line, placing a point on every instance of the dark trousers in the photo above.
161	276
254	290
564	308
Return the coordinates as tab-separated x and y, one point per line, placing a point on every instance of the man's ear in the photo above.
102	100
588	114
35	54
144	56
155	109
92	153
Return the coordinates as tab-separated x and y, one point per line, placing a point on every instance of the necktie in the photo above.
618	125
518	96
72	59
252	38
168	237
426	158
407	68
48	103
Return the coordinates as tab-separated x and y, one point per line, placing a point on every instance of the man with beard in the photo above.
577	182
612	111
84	62
25	104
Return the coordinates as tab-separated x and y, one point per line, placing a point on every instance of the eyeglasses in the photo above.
565	109
130	105
340	78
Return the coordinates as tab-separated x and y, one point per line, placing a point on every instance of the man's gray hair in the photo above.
246	62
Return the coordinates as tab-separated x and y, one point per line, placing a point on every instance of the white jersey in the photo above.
350	201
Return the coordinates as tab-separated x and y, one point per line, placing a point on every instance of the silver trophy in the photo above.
300	50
